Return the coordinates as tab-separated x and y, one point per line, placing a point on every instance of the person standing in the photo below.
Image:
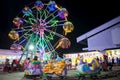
14	65
113	60
26	63
69	64
7	66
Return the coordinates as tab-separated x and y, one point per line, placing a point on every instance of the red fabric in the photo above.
14	68
4	69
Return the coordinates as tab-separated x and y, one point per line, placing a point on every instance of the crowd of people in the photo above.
109	62
11	66
106	63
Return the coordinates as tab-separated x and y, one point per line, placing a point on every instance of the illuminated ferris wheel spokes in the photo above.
38	26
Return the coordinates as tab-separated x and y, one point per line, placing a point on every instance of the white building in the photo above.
103	37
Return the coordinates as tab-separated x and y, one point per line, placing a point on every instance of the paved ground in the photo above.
11	76
70	76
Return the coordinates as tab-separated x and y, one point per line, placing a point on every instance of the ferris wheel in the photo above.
37	26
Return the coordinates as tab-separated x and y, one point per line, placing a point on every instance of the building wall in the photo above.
116	36
105	39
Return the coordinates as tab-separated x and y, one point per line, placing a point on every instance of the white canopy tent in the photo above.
10	54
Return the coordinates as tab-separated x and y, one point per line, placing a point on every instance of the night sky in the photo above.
84	14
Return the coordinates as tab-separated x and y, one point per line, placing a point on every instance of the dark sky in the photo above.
84	14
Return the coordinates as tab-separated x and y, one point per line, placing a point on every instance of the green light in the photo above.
31	47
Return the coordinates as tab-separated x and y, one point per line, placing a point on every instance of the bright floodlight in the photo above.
31	47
